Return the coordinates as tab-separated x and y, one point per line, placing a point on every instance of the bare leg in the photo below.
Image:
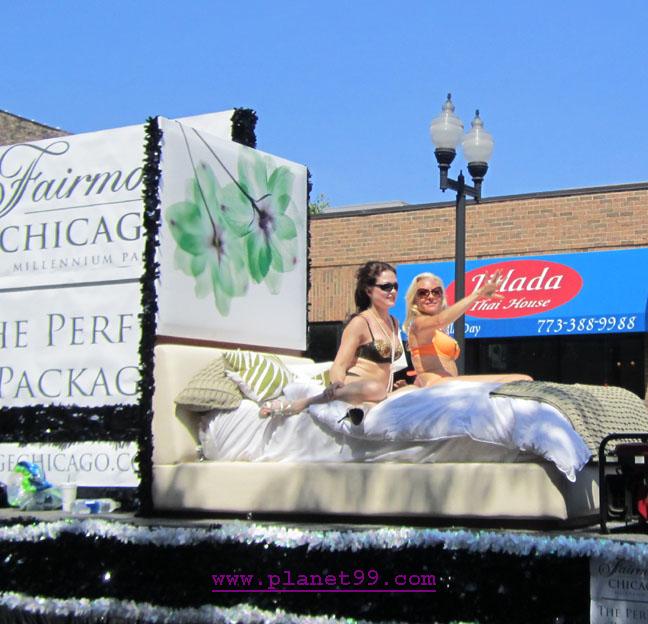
494	377
360	391
355	393
503	378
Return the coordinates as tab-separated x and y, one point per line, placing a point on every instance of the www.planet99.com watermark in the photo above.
348	581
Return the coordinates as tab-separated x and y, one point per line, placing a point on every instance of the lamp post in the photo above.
446	131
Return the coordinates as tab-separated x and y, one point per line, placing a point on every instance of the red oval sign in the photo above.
528	287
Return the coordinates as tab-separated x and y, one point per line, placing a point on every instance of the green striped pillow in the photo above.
324	377
259	377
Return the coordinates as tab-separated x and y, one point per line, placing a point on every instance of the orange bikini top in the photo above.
441	344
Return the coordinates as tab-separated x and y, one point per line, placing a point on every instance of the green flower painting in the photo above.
229	235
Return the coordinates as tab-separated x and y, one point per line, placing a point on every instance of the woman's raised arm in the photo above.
450	314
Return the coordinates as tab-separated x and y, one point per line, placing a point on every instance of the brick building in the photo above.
16	129
572	221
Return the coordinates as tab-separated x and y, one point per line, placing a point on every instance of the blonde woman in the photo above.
433	351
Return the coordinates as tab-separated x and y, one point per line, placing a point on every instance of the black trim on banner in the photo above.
309	189
46	424
243	126
152	174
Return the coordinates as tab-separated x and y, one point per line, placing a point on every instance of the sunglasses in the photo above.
387	286
424	293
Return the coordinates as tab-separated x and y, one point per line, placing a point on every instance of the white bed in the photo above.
451	422
418	466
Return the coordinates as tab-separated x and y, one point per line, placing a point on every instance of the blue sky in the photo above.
349	88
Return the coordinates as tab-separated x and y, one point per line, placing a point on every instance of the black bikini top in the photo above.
378	351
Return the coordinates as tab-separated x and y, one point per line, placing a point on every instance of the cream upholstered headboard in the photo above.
175	429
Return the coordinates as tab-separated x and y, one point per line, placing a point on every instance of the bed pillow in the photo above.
210	389
311	371
259	377
324	377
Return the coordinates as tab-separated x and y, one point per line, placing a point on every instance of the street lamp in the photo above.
446	132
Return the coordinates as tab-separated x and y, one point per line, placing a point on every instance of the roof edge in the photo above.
592	190
32	121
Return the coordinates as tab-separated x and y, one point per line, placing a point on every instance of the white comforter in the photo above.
454	421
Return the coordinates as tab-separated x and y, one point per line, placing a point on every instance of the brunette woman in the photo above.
370	345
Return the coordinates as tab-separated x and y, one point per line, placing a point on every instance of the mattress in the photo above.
240	435
457	422
453	491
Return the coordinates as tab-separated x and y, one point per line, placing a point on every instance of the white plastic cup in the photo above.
68	496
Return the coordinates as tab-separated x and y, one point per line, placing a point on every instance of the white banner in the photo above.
232	242
71	244
618	591
89	464
217	124
70	346
71	210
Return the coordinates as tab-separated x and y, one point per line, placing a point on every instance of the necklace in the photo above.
392	345
382	325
